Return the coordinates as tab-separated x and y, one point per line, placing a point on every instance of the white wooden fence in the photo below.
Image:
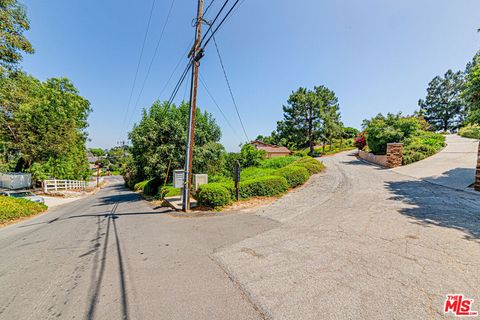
49	185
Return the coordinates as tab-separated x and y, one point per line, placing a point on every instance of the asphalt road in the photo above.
356	242
362	242
112	256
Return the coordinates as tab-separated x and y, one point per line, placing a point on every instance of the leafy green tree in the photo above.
251	156
308	116
471	92
97	152
349	132
13	24
42	125
160	138
443	107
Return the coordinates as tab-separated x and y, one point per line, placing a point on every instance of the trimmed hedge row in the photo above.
265	183
263	187
294	174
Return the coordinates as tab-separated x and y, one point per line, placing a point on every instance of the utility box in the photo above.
178	178
198	180
15	180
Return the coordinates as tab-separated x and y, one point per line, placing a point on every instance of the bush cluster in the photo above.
421	146
213	195
266	186
278	162
295	175
14	208
470	131
313	166
260	182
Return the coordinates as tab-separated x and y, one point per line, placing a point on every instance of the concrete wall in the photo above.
370	157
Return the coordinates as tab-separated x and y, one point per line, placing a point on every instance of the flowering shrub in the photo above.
360	141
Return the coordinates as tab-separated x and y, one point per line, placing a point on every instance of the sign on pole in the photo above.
179	179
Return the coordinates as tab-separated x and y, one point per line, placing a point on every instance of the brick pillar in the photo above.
394	154
477	175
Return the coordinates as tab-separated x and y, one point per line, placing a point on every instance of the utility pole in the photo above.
195	54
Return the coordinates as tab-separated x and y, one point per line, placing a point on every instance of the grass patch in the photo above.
13	208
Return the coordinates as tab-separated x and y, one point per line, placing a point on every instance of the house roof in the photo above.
270	148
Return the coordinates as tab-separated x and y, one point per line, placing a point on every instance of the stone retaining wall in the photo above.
393	159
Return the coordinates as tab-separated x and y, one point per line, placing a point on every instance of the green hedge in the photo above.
213	195
421	146
263	187
140	185
470	131
294	174
278	162
255	172
313	166
15	208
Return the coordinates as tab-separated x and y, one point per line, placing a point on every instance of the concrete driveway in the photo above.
453	167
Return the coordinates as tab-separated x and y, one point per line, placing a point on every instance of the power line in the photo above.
214	20
179	83
229	87
138	67
206	10
174	70
153	57
219	25
202	81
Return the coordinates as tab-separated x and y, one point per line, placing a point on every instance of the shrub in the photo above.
151	188
263	187
168	191
295	175
278	162
470	131
360	141
219	178
251	156
254	172
140	185
381	130
421	146
15	208
213	195
313	166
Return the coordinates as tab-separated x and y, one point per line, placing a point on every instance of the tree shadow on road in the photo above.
433	204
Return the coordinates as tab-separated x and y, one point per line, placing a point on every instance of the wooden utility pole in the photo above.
195	55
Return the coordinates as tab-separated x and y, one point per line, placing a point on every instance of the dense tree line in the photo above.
42	123
453	100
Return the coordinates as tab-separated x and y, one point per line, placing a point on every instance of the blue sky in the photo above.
377	55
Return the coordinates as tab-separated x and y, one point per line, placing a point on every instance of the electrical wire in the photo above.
229	87
208	7
153	58
138	67
202	81
218	27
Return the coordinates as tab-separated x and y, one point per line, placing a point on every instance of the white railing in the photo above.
49	185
